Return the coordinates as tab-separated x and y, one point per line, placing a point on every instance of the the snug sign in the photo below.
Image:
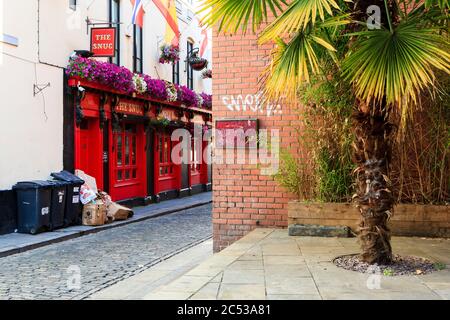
103	42
130	108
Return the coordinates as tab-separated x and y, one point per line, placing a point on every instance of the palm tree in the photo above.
388	65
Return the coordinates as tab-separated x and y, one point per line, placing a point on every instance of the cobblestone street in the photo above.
100	259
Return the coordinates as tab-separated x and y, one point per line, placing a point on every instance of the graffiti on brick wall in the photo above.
251	102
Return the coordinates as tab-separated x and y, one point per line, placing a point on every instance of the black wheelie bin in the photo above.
58	206
33	206
72	214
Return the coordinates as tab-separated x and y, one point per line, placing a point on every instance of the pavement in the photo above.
163	273
80	267
13	243
268	264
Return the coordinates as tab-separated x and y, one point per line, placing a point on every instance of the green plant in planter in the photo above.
160	121
322	169
334	178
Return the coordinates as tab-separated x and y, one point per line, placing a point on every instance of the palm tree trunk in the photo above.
373	133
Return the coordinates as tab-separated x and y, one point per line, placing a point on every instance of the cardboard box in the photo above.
90	181
94	214
118	212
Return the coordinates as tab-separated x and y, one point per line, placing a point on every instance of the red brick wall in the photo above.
243	198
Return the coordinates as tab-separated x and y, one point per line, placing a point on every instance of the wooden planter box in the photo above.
408	219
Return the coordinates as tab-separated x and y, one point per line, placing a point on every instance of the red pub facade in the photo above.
111	136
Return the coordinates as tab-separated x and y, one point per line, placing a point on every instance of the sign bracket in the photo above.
102	23
38	88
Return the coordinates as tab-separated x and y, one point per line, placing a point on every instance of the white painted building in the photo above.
36	39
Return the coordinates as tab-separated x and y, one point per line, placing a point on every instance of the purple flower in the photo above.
121	79
186	96
108	74
156	88
207	100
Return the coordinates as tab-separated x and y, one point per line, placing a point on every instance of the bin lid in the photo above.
34	184
59	183
66	176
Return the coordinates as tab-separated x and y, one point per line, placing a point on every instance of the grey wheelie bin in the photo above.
33	206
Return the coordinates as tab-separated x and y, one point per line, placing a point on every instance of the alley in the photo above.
77	268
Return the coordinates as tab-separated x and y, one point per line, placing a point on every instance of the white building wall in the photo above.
31	126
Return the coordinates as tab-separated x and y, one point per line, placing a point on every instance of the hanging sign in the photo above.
103	42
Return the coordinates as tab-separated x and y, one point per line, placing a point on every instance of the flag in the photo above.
169	12
204	44
137	16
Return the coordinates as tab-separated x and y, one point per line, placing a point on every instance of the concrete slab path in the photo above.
268	264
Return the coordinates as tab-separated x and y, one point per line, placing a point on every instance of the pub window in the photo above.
166	167
189	70
176	72
137	51
196	154
114	16
126	146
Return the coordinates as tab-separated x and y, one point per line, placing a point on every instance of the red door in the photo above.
128	170
167	173
88	152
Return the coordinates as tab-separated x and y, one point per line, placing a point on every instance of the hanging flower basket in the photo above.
196	62
207	74
169	54
159	121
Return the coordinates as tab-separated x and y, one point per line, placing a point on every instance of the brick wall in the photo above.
243	197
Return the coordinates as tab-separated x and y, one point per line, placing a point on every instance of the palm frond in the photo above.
297	16
230	15
441	4
396	65
294	62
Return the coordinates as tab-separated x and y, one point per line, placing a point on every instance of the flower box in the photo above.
119	80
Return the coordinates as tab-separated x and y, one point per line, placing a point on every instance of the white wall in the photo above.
31	127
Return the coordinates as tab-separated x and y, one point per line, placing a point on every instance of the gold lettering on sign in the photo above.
167	114
128	107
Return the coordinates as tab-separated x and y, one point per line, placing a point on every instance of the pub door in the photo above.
89	149
167	173
127	162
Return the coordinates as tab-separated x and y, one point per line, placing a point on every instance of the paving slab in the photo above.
241	292
208	292
268	264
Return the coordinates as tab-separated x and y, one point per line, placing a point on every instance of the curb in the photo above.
82	233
